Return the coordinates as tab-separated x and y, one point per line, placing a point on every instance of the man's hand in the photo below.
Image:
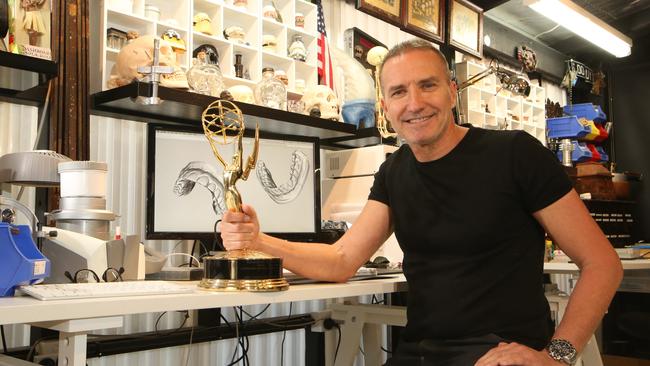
515	354
240	230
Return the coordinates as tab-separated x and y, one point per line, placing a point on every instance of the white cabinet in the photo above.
128	15
486	105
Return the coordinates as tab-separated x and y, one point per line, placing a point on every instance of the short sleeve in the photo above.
379	191
539	175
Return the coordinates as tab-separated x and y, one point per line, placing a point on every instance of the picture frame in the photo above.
465	27
389	11
425	19
182	192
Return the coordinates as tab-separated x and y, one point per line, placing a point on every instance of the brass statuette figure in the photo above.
223	124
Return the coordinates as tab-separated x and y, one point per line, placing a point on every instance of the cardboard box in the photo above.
30	28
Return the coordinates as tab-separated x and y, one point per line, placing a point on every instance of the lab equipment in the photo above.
20	260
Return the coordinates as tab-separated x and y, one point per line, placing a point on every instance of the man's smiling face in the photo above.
418	96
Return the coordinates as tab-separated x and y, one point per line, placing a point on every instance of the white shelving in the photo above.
178	15
485	105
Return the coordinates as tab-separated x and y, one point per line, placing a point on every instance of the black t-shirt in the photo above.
473	253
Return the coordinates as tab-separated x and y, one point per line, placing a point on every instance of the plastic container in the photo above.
586	110
83	178
20	262
566	127
603	154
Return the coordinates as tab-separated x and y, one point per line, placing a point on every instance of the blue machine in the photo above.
20	261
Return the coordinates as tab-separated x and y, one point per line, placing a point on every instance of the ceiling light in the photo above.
584	24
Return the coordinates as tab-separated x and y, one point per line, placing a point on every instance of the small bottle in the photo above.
271	92
239	67
297	49
205	78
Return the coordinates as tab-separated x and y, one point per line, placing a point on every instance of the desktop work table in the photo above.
74	318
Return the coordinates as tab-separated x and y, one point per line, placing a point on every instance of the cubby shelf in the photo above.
485	105
178	15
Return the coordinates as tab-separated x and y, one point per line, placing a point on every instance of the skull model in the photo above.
139	52
322	98
242	93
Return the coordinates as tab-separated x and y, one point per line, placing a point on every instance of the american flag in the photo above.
325	73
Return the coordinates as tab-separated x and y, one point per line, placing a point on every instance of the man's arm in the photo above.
575	232
336	262
572	228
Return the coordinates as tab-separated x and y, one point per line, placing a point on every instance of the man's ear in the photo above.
453	88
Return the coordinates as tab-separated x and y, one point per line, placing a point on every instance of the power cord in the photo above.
4	338
284	336
187	315
329	324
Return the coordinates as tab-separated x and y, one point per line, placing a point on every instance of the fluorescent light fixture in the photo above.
584	24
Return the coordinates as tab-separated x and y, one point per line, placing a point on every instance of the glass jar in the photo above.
271	92
297	50
205	78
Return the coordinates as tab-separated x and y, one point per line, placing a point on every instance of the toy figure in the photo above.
33	21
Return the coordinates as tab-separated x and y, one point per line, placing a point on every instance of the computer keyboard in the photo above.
104	289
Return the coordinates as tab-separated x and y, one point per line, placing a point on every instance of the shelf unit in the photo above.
183	108
178	15
34	94
486	105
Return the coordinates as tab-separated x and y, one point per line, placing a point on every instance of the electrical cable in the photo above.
284	336
189	263
156	332
32	348
548	31
218	243
4	338
338	343
189	347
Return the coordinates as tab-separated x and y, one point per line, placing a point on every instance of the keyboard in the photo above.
104	289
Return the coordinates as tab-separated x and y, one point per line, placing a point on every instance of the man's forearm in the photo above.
588	303
313	260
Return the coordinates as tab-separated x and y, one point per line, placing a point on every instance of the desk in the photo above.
555	267
74	318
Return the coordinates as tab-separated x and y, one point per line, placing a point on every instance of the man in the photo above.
469	208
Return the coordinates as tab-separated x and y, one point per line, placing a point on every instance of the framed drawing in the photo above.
425	18
185	185
466	27
386	10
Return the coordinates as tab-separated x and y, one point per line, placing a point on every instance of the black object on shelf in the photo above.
184	108
33	95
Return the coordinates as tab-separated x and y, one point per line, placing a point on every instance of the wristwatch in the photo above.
562	350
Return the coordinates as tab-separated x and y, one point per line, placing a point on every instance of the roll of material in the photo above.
83	179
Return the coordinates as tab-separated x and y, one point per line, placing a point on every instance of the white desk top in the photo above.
572	268
25	309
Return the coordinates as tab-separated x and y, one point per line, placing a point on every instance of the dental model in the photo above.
204	174
298	171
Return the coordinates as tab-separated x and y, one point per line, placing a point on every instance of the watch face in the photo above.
562	350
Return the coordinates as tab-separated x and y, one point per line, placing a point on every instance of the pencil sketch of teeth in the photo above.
298	171
204	174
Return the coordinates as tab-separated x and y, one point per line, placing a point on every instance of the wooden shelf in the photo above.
32	95
185	108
